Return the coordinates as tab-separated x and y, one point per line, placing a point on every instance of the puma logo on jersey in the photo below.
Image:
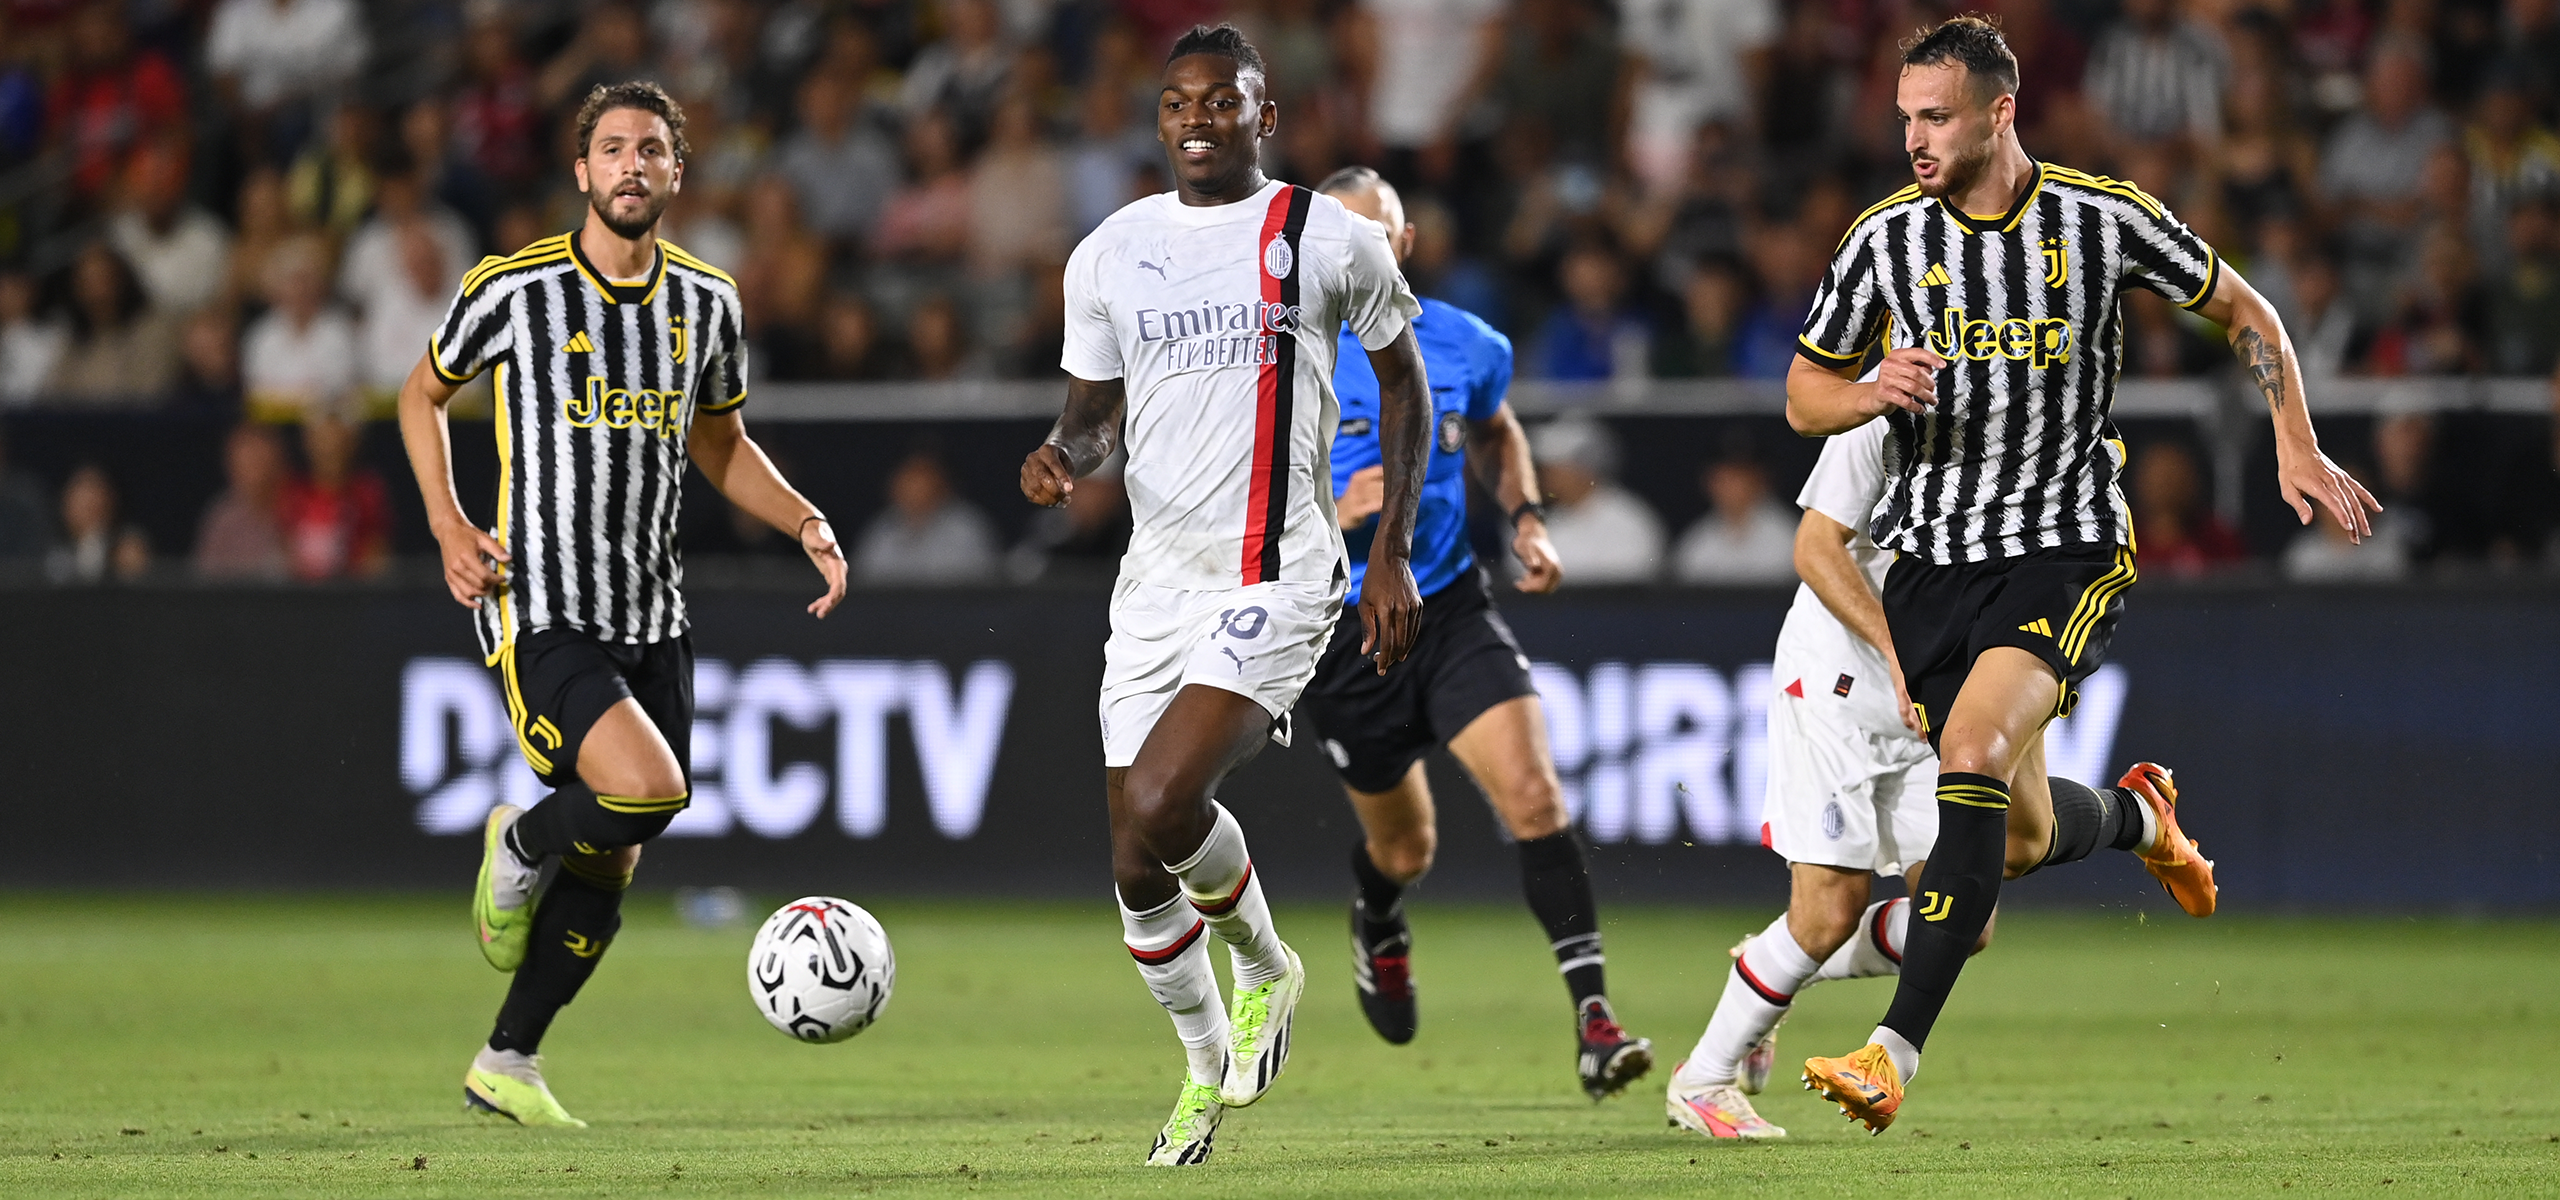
1144	265
2047	342
578	344
1937	276
2039	625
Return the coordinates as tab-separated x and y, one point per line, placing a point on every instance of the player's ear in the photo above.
579	168
1269	123
1404	242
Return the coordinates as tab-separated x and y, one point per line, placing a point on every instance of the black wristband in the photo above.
1527	507
804	521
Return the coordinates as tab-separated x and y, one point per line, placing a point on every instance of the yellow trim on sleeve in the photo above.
2212	276
435	362
726	405
1825	358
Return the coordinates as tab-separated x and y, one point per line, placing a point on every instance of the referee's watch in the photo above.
1528	507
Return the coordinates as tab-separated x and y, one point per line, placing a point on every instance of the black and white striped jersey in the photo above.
2026	307
597	385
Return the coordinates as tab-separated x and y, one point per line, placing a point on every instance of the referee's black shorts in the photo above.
1466	661
559	682
2060	605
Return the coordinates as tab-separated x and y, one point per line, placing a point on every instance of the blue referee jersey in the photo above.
1469	364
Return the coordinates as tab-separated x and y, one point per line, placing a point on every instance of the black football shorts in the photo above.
559	682
1465	662
2060	605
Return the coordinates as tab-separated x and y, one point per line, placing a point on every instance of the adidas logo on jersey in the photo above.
1937	276
2039	625
578	344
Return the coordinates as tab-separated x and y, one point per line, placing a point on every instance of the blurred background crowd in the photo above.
245	216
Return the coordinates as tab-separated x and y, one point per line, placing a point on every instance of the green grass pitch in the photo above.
292	1047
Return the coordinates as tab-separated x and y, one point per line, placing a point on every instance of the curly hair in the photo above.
641	94
1973	42
1225	41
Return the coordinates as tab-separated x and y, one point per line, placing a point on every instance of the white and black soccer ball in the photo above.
821	969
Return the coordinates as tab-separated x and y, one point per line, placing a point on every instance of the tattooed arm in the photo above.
2305	476
1085	435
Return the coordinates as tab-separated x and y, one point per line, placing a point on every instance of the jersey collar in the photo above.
2003	222
620	293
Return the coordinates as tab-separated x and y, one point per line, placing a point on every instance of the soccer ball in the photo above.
821	969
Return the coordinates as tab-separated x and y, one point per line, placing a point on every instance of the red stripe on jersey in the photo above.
1267	434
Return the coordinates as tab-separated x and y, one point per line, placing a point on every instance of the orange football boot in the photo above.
1865	1085
2173	859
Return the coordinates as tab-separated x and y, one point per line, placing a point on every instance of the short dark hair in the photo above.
1350	179
640	94
1225	41
1972	41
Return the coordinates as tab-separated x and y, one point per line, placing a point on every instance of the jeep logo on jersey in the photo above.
1453	432
2047	342
1277	258
616	408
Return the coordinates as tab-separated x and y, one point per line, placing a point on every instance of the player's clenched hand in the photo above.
1362	497
818	539
1047	477
474	562
1390	612
2314	479
1907	380
1540	573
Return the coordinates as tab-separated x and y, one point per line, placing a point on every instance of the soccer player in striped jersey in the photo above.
1993	288
619	358
1200	332
1467	685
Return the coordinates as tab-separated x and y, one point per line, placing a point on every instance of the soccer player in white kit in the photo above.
1201	333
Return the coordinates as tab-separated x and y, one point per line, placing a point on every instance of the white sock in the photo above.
1906	1057
1757	991
1218	878
1173	958
2150	824
1874	947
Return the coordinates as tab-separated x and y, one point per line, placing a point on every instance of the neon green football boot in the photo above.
505	1083
1186	1136
1261	1018
502	904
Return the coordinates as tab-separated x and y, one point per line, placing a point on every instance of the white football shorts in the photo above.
1261	641
1849	787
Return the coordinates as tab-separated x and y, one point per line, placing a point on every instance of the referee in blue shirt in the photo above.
1466	683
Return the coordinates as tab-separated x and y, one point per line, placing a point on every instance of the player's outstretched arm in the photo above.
1498	453
1823	562
1822	401
1084	437
738	467
2304	475
1390	606
474	562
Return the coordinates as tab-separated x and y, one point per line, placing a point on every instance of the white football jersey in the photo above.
1221	321
1814	648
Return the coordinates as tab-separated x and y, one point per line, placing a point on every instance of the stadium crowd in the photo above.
261	207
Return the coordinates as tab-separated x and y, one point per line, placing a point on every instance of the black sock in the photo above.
1958	890
2085	818
1558	884
576	820
1377	897
573	924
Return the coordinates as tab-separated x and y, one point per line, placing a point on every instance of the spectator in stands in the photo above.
1690	63
451	180
1593	334
26	522
2322	555
270	57
938	342
2513	158
2404	457
2324	332
96	546
1558	66
496	122
1110	147
612	45
120	353
962	76
2372	171
927	221
2176	533
265	222
850	344
1442	269
330	185
110	98
31	340
21	98
2433	330
842	167
1746	538
402	307
302	354
209	363
785	273
1706	339
2523	305
1420	64
1017	197
2157	79
928	535
177	249
241	538
1790	260
698	221
336	517
375	256
1602	532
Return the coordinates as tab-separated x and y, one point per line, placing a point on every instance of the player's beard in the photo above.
1957	175
653	206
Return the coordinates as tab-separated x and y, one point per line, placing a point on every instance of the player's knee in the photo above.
626	821
1162	805
1534	808
1405	855
1821	930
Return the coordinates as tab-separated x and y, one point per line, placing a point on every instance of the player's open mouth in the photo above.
1197	147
